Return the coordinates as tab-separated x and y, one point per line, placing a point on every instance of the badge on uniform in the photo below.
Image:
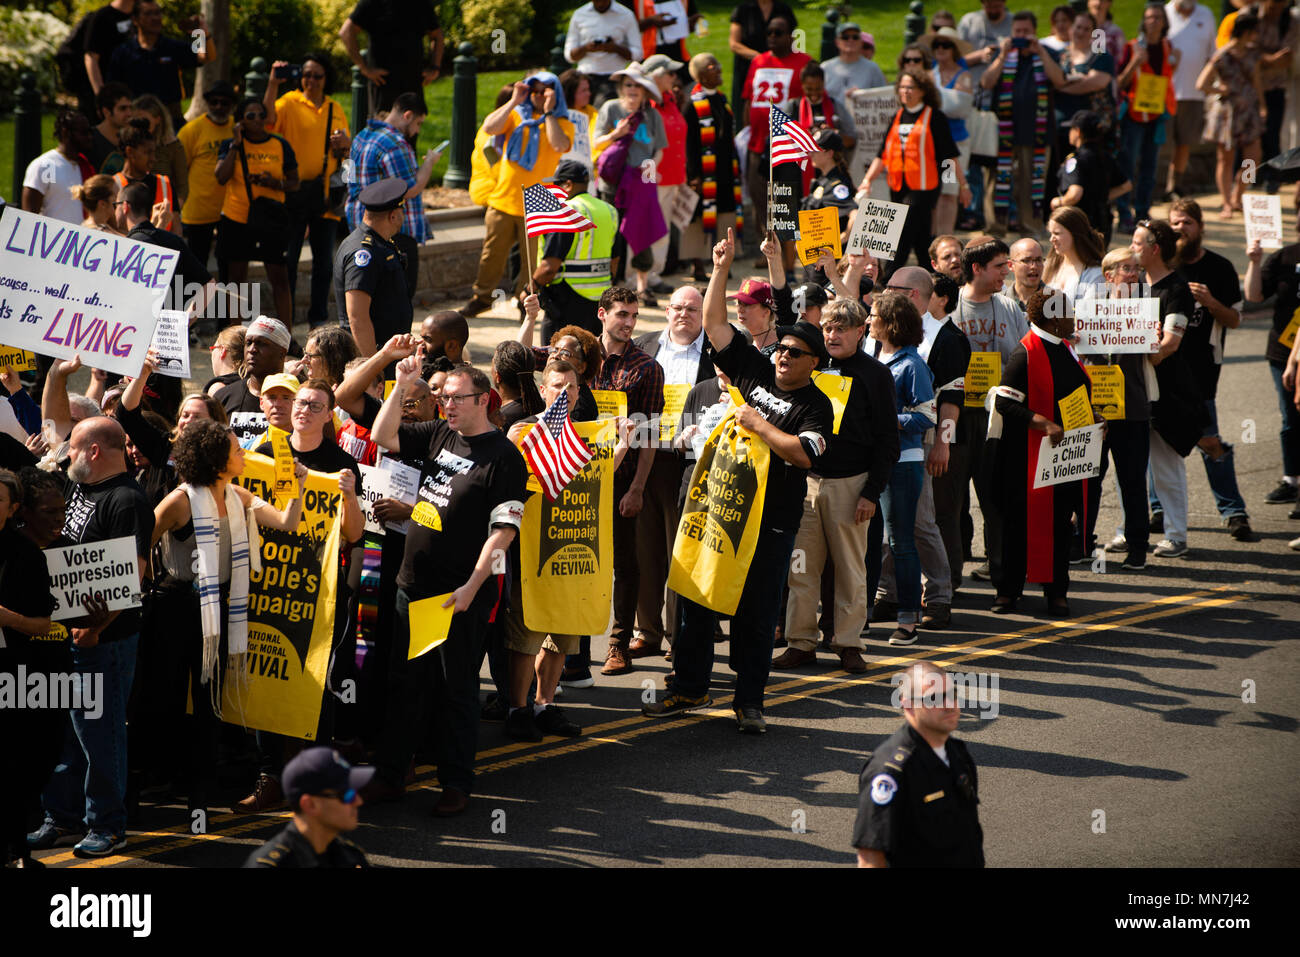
1070	164
362	258
883	787
840	191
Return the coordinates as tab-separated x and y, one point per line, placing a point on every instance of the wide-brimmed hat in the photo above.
949	34
634	71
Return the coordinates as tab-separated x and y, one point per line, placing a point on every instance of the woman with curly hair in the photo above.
573	344
329	349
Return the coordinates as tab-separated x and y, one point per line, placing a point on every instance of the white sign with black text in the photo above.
108	570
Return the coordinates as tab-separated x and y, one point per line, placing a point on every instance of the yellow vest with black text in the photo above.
587	267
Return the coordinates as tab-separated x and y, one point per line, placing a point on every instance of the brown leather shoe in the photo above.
453	802
616	661
475	306
379	791
936	616
851	661
267	796
640	648
794	658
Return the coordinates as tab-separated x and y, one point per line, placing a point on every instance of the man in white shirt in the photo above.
1192	29
602	36
52	177
679	350
851	70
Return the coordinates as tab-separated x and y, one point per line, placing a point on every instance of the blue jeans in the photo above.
1222	475
898	501
1290	434
752	627
89	782
1137	157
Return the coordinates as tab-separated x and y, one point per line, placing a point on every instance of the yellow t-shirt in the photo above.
273	155
202	140
513	179
482	178
303	125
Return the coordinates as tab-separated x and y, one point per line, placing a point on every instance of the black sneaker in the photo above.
520	725
1284	494
1239	528
884	610
902	636
552	720
750	720
494	709
675	704
1135	561
1157	525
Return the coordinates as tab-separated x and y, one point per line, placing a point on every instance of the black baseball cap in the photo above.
572	171
809	334
317	770
813	294
1087	122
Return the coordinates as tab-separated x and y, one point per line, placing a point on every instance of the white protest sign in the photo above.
1263	219
873	110
877	228
1077	457
683	209
1117	326
171	341
247	426
374	486
403	485
581	151
66	290
107	569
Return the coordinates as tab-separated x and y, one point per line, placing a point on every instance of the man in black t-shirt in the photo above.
1212	281
109	29
469	509
794	418
397	60
150	63
89	785
265	346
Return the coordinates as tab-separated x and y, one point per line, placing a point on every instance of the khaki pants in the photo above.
503	232
828	531
1022	189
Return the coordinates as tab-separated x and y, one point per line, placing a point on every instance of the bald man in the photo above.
918	793
1026	260
87	791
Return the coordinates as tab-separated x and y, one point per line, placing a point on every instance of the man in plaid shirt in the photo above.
382	150
625	368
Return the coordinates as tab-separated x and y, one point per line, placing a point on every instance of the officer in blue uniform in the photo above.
370	270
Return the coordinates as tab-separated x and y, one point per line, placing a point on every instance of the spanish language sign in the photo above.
1117	325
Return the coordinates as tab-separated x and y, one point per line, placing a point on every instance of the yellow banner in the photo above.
671	419
1076	410
1107	390
290	611
20	360
818	229
1150	95
566	546
1287	338
982	374
837	388
719	529
610	402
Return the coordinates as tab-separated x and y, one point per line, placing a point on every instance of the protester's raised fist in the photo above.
401	346
532	307
67	367
770	247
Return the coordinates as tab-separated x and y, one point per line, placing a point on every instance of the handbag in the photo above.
265	215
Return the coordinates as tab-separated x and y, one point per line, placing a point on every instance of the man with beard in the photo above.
1214	285
1026	270
945	256
444	334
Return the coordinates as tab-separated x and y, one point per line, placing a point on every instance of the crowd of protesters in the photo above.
1051	158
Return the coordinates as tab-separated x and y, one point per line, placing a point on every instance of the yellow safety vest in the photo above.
587	267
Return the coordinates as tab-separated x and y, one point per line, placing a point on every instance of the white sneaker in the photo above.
1170	549
1117	544
1294	544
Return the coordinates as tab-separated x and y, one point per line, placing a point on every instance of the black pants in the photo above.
1275	105
565	307
411	249
1065	502
31	742
321	232
916	230
981	472
201	238
949	496
627	573
1130	444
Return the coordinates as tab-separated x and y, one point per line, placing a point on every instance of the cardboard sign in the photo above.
1263	219
1076	410
818	229
610	402
837	389
171	342
683	209
66	290
1106	326
1077	457
20	360
877	228
286	483
1151	92
670	419
248	426
430	624
108	570
982	374
1107	390
873	110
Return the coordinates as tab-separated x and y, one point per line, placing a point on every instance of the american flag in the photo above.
791	143
544	213
553	448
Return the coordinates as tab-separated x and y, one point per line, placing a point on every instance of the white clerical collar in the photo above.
1045	336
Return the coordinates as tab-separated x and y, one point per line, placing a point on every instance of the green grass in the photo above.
883	19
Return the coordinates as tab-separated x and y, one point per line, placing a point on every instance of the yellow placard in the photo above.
982	374
1076	410
426	514
430	624
20	360
389	385
1107	390
671	418
1287	338
610	402
837	388
1151	92
818	229
286	483
736	397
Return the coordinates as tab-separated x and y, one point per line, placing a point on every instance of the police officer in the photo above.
831	186
573	269
370	270
917	795
322	789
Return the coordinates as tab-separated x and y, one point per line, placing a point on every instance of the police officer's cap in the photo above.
317	770
384	195
829	140
571	171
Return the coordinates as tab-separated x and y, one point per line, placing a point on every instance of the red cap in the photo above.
754	291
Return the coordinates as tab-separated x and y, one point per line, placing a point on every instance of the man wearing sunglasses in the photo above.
793	417
323	791
851	70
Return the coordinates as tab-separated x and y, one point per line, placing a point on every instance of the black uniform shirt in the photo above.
371	264
290	849
915	809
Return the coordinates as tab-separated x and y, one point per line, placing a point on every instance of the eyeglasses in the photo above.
316	408
942	45
410	405
312	355
561	354
792	352
347	797
1035	261
446	400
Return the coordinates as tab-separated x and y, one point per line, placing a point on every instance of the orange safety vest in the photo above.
646	10
913	160
162	189
1171	100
